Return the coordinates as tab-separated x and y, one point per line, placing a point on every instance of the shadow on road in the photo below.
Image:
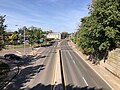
24	76
68	87
42	87
30	60
40	56
72	87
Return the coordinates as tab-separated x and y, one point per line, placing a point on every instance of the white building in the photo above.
54	35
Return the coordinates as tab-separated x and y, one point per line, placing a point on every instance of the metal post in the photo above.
24	41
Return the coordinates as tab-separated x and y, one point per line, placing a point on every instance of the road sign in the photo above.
41	40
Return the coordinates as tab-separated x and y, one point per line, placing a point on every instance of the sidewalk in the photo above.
101	70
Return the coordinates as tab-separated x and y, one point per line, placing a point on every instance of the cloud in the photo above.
48	14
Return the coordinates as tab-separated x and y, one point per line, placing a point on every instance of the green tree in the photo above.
34	34
2	31
12	38
64	35
100	31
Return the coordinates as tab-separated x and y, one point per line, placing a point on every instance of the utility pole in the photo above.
24	41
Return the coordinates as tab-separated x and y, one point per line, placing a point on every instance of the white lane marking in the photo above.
19	52
95	71
73	61
77	68
71	57
85	81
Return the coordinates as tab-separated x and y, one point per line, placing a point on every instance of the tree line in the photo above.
32	34
99	32
2	31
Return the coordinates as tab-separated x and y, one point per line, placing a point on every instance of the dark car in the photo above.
12	57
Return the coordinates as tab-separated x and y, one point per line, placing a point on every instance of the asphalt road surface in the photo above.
38	74
44	79
77	74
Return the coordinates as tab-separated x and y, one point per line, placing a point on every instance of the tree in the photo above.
100	31
35	34
4	72
2	31
12	38
64	35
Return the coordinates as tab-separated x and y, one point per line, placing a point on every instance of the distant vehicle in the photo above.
26	42
12	57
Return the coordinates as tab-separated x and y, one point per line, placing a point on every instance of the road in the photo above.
77	74
44	79
38	74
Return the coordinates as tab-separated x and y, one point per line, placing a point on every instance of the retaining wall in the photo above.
114	61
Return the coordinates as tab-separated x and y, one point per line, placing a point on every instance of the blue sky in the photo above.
55	15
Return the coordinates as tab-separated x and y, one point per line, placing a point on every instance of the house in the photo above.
54	35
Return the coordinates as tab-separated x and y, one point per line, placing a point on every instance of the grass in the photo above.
22	46
44	43
18	46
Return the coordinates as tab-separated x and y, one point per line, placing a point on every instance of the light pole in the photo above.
24	41
40	38
16	41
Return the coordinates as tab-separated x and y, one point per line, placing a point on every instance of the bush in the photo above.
49	39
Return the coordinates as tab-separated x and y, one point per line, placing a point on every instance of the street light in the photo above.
24	41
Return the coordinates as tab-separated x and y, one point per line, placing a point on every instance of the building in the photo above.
54	35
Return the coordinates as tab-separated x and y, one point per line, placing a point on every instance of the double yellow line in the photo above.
53	76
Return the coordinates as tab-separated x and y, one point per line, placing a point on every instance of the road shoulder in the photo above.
109	78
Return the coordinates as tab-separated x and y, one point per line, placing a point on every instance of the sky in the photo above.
55	15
